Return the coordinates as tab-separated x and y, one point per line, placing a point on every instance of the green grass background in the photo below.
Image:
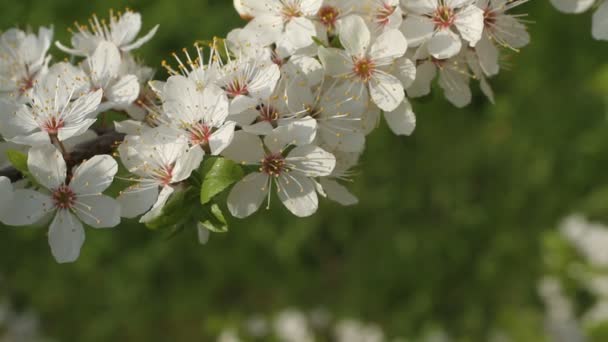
448	232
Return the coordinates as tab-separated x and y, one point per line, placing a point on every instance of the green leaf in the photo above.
219	177
177	211
18	160
217	223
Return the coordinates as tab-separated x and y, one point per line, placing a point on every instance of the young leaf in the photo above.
217	223
220	176
18	160
177	211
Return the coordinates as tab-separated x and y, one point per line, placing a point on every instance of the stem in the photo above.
103	144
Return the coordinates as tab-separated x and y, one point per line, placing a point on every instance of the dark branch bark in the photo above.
103	144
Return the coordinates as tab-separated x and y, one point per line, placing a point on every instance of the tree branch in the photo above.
103	144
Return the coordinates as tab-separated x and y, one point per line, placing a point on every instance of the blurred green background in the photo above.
448	232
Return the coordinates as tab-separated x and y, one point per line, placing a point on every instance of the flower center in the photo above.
64	197
52	125
236	88
489	18
444	17
384	13
274	165
291	10
328	15
268	113
364	68
199	134
164	174
26	84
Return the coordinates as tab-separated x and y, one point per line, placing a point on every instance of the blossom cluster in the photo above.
600	16
282	105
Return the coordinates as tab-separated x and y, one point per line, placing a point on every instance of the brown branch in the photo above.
103	144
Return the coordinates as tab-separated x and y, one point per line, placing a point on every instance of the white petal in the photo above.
66	237
298	195
444	44
572	6
215	105
125	91
157	208
187	163
386	91
425	74
265	29
406	71
311	161
456	87
338	192
421	6
336	62
182	101
247	195
94	176
417	29
488	55
75	129
222	138
470	23
34	139
135	200
126	28
98	211
402	120
47	165
84	107
354	35
298	34
28	207
104	63
600	22
389	46
298	132
245	148
141	41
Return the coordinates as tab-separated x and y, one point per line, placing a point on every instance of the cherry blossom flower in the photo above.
122	31
23	60
443	24
291	174
57	108
365	64
158	161
72	200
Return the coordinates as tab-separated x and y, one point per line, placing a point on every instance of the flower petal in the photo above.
247	195
94	176
298	195
444	44
222	138
47	165
389	46
245	148
386	91
28	207
338	192
600	22
136	200
402	121
470	23
157	208
98	211
66	237
311	161
354	35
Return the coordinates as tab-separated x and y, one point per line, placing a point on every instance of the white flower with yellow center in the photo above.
443	24
158	161
57	109
23	60
122	31
71	198
286	23
365	65
291	173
